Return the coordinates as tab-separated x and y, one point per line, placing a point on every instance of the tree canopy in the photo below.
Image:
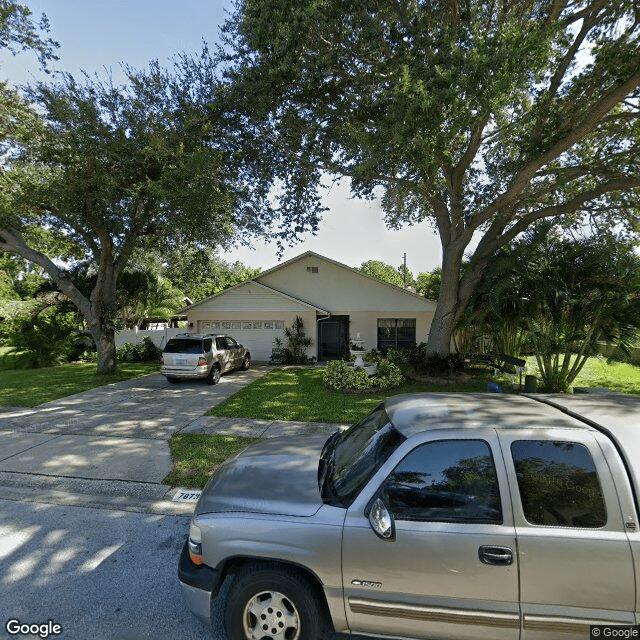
111	168
482	117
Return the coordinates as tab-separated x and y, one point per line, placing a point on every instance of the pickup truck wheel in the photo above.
214	375
272	604
246	362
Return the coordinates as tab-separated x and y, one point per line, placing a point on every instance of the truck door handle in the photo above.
495	555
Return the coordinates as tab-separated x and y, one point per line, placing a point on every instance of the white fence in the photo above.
158	336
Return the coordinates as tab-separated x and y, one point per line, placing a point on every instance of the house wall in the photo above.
251	305
340	289
365	323
345	292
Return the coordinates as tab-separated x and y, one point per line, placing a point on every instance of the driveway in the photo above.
110	442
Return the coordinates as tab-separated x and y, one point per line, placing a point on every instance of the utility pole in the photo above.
404	272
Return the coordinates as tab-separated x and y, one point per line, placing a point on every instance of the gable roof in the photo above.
317	256
258	284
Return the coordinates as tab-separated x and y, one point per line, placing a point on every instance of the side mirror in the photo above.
381	520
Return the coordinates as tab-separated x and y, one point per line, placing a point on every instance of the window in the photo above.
312	269
279	324
207	342
247	325
446	481
558	484
360	451
257	325
230	343
396	332
268	324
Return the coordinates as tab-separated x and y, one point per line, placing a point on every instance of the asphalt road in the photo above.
99	574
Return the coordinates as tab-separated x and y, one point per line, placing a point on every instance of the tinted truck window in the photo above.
558	484
446	481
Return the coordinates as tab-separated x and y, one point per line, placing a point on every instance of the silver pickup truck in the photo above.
439	516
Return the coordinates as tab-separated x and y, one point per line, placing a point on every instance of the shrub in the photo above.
341	376
145	351
297	342
435	365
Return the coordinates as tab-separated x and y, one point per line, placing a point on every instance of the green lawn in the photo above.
598	372
31	387
298	394
196	457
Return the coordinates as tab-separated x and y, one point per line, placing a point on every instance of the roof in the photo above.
259	284
313	254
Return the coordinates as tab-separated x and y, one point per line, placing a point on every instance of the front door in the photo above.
333	337
451	569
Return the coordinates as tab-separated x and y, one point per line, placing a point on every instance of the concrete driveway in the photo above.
110	442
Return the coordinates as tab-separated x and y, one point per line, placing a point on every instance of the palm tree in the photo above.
564	296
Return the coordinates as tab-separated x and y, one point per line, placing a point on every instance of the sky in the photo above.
95	35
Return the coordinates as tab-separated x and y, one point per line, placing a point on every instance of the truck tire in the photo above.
272	603
246	362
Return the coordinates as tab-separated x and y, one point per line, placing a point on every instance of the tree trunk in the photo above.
446	314
106	346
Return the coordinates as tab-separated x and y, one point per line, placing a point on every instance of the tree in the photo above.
18	32
196	271
381	271
482	117
428	283
113	168
563	296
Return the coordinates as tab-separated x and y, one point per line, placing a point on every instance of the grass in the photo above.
196	457
600	372
31	387
298	394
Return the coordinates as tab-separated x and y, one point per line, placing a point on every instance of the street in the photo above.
100	574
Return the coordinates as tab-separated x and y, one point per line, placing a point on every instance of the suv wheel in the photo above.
268	603
246	362
214	375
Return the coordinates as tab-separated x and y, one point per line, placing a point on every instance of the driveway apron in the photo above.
110	442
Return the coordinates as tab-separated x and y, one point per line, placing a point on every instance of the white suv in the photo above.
202	356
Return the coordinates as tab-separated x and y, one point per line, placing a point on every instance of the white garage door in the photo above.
257	336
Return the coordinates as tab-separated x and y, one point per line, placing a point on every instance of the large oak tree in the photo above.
106	169
480	116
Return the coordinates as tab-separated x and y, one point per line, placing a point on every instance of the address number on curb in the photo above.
186	495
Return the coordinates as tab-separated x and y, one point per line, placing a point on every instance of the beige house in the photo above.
336	304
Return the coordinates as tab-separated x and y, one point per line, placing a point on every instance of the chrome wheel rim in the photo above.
270	615
215	375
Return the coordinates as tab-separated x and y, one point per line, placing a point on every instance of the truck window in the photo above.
558	484
446	481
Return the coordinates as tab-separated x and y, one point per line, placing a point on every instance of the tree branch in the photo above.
11	241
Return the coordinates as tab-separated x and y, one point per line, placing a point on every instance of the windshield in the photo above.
183	345
358	453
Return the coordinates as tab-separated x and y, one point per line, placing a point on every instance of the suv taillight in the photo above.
202	361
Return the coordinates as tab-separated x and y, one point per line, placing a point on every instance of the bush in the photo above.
145	351
341	376
296	350
42	340
435	365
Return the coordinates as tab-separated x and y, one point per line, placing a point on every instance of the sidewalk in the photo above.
108	447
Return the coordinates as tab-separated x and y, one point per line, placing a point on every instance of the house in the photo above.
336	304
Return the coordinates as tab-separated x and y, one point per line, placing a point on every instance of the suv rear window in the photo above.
184	345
